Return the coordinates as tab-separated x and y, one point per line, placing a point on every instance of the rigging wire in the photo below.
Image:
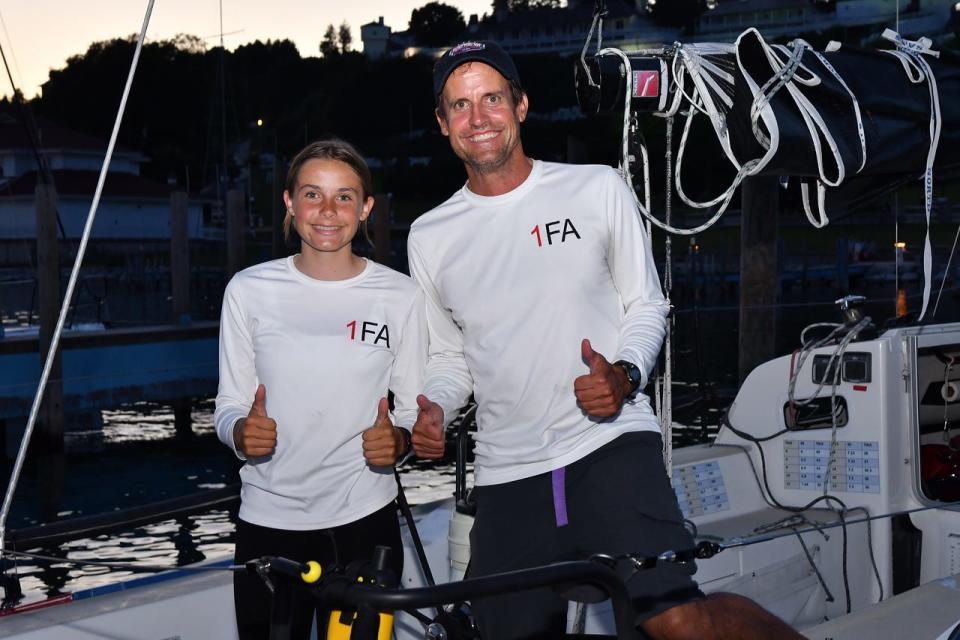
122	566
44	175
946	272
71	284
667	415
813	565
733	543
871	555
44	172
13	54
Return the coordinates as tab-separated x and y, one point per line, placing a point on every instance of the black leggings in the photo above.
340	545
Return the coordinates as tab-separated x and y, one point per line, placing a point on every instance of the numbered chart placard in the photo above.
856	466
700	489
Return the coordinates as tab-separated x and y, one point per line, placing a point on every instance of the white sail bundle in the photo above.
844	124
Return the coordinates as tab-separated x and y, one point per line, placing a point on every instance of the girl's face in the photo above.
327	205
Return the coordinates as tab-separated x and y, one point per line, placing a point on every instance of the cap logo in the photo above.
466	47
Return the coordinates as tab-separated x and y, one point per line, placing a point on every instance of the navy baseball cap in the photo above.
484	51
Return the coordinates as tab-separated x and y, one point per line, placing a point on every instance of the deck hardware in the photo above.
261	568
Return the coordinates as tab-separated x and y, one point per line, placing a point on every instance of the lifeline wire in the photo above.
667	409
735	542
124	566
13	54
71	285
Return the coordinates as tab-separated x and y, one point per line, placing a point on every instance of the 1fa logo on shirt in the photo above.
553	229
371	332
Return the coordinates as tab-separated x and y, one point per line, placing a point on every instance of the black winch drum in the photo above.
650	83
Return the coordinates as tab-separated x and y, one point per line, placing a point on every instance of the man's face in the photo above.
480	118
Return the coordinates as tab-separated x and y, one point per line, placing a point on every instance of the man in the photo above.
543	300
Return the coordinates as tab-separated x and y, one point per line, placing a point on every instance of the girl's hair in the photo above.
328	149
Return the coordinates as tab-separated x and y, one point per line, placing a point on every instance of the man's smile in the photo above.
483	137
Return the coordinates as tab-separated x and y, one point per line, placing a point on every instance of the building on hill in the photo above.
375	37
628	24
540	30
786	18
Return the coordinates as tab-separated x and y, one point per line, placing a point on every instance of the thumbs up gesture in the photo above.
600	393
428	441
256	435
382	443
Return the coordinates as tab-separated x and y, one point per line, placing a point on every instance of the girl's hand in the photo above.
382	442
256	435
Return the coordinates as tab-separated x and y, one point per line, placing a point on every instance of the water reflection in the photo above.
183	541
139	457
53	466
54	576
166	544
149	421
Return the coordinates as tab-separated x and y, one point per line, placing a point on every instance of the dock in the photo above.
110	368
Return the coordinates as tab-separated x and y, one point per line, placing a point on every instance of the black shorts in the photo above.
340	545
615	500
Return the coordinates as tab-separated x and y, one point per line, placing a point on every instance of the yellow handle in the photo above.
313	573
386	626
336	630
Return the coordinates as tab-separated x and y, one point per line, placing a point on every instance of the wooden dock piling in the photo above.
381	228
759	281
843	271
278	245
49	427
179	259
236	231
182	421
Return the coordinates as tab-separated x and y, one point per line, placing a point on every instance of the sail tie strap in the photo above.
911	54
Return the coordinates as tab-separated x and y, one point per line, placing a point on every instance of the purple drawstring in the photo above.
560	495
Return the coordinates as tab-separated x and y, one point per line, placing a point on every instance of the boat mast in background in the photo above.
71	285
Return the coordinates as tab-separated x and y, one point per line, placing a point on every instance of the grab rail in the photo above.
340	591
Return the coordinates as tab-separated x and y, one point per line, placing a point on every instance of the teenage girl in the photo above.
309	346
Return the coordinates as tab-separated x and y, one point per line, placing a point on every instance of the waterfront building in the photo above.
126	272
133	208
375	37
787	18
628	24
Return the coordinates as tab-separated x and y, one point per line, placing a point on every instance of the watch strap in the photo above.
407	443
633	374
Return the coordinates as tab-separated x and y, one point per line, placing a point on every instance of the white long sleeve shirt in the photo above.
513	283
326	351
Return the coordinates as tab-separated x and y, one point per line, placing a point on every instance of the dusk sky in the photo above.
39	35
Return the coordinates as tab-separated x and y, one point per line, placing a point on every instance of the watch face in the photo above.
632	371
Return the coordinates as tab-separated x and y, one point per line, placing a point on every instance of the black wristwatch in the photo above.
407	443
633	375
